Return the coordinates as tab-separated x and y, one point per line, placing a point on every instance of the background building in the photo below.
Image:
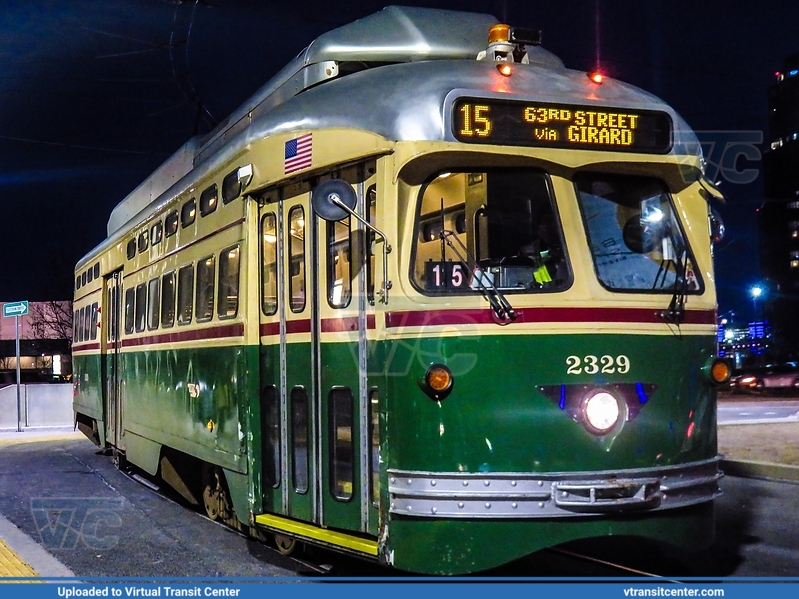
779	215
45	344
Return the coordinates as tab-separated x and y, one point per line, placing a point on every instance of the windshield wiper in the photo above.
485	284
676	310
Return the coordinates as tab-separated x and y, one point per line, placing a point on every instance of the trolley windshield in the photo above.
634	235
495	228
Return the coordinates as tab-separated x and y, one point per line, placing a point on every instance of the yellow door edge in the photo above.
331	537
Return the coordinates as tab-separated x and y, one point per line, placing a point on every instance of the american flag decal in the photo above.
298	153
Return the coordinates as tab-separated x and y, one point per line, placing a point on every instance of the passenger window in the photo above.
205	288
270	416
269	264
97	271
185	294
75	336
141	306
188	213
93	325
156	232
144	241
77	282
228	303
131	249
208	201
297	258
129	295
153	303
90	275
79	325
168	300
299	439
339	268
87	321
83	278
341	452
171	223
231	187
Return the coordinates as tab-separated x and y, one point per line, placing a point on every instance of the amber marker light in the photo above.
505	69
596	77
437	382
719	370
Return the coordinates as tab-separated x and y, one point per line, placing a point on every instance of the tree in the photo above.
53	320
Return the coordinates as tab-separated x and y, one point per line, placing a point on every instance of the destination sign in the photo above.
490	121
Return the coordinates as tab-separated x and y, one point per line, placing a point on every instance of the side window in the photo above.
168	299
299	439
90	275
374	434
171	223
93	326
87	321
79	325
269	264
153	303
208	201
297	258
75	337
84	278
129	295
77	282
188	213
130	251
185	294
270	417
97	271
341	452
231	187
228	303
144	240
156	232
339	268
141	306
205	288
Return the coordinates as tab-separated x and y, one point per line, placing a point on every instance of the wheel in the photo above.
285	545
215	497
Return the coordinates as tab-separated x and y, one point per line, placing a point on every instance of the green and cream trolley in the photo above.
422	296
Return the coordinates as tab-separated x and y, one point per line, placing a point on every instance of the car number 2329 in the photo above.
597	364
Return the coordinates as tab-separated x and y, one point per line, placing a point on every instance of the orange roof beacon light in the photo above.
507	44
596	77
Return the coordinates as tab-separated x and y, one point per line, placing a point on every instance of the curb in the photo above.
763	470
30	552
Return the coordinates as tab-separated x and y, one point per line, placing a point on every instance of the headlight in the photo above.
601	411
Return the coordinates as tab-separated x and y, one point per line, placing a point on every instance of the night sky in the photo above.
96	94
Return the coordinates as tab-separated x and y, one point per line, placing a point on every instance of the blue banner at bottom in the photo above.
331	588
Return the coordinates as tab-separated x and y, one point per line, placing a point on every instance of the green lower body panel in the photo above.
459	546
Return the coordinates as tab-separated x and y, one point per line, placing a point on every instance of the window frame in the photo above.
185	311
209	200
224	283
188	213
204	282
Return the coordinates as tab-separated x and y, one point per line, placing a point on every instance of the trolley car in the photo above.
428	297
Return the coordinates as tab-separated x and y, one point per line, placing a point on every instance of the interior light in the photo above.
596	77
504	69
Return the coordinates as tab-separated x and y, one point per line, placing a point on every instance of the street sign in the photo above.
15	309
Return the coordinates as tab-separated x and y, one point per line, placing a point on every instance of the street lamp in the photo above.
756	292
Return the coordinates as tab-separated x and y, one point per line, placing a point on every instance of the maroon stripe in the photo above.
298	326
329	325
220	332
270	328
85	346
535	315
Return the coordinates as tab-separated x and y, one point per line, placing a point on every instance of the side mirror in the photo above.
717	228
334	200
328	198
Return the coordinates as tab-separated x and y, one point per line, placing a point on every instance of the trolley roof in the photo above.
395	73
